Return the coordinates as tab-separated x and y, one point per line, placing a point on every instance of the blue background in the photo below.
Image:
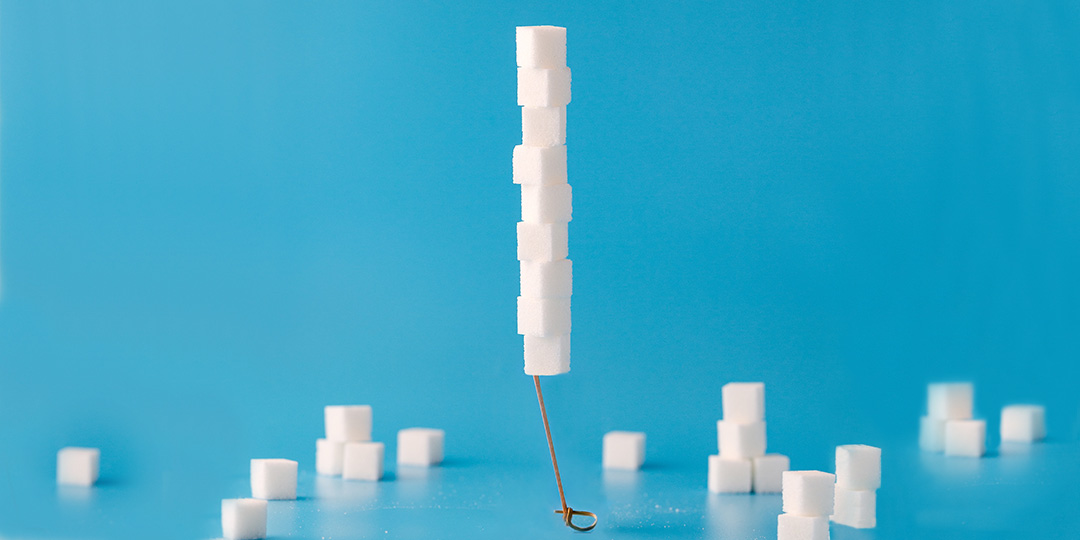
218	217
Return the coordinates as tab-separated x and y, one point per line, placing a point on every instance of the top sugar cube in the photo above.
541	46
858	467
743	402
950	401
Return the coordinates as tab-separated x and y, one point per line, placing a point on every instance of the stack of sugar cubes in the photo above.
539	166
742	465
347	450
858	477
948	425
807	502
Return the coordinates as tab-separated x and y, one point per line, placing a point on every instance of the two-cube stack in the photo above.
808	501
742	465
948	425
539	165
858	477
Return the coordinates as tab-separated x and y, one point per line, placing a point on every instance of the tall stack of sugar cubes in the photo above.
539	166
742	465
948	425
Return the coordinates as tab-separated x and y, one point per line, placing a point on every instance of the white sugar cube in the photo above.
547	279
808	493
420	446
950	401
624	450
541	46
856	508
794	527
363	461
348	422
273	479
329	457
931	434
965	438
542	241
543	87
729	475
769	471
858	467
743	402
543	126
547	355
77	466
543	316
546	203
243	519
737	440
1023	423
539	165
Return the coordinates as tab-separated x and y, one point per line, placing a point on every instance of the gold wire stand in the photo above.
567	512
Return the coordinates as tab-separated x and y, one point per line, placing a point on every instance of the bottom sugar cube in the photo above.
243	519
729	475
363	461
547	355
329	457
856	508
931	434
965	438
769	471
794	527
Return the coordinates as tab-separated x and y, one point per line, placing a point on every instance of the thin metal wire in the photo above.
567	512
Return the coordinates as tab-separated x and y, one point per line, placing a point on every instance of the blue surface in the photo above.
217	217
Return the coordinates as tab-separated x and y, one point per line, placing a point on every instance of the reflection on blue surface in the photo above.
218	217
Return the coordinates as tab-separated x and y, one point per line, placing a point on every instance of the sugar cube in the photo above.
1023	423
420	446
363	461
329	457
965	438
541	46
769	471
858	467
795	527
348	422
931	434
950	401
542	241
856	508
273	479
729	475
743	402
542	165
546	203
543	87
808	493
243	519
543	126
543	316
77	466
737	440
624	450
547	355
547	279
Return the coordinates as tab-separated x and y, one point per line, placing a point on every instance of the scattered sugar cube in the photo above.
543	126
363	461
547	279
329	457
951	401
541	165
743	402
738	440
420	446
547	355
624	450
542	241
543	316
858	467
273	479
856	508
541	46
769	471
348	422
243	519
729	475
546	203
1023	423
794	527
543	87
77	466
808	493
965	438
931	434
